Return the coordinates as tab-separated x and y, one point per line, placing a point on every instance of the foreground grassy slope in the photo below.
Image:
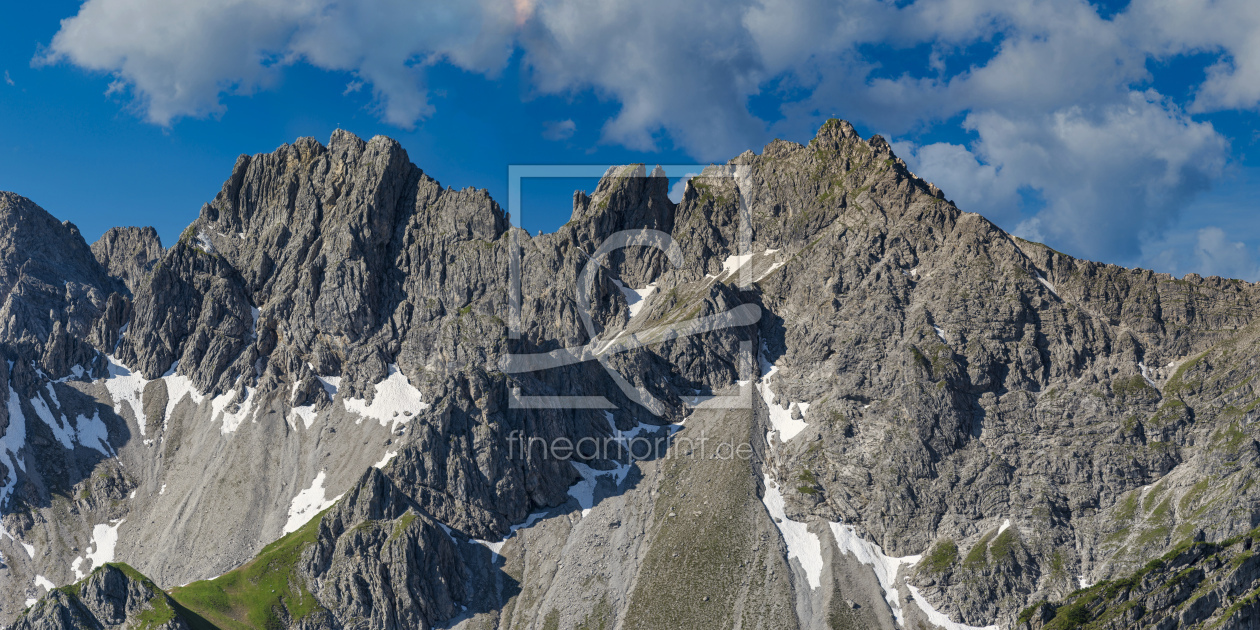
264	594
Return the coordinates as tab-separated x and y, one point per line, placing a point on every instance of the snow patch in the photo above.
124	386
30	549
11	442
801	543
388	456
635	298
940	333
104	539
780	418
203	241
769	270
41	581
1046	283
885	567
938	618
306	413
177	388
162	491
330	383
92	433
232	421
496	547
1005	524
1145	376
734	262
731	265
61	430
307	504
396	400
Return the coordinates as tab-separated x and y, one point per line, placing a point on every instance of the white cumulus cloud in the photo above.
179	58
1057	101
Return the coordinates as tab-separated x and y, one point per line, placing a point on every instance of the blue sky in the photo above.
1120	131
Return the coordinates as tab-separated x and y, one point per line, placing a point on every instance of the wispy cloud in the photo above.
556	130
8	79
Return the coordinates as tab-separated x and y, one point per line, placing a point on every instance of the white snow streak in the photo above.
1046	283
886	568
939	618
496	547
306	413
636	298
232	421
44	582
177	388
780	418
307	504
92	433
801	543
11	442
60	430
126	386
388	456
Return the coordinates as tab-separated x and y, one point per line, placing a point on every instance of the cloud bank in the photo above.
1053	99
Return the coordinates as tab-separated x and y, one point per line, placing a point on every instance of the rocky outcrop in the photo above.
113	596
377	558
54	292
1197	584
128	253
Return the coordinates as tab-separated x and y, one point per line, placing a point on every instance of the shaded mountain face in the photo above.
315	396
128	253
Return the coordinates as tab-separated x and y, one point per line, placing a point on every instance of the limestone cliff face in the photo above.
128	253
916	382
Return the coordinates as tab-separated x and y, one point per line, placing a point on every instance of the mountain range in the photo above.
866	408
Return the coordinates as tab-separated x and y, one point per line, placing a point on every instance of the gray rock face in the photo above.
128	253
1024	420
114	596
377	559
54	293
1196	584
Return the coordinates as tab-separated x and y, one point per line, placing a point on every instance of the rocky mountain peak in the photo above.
128	253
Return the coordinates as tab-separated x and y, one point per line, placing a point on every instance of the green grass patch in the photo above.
977	557
942	555
1070	617
1133	388
1003	547
1128	507
249	597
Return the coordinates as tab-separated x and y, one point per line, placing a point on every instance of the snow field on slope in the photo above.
396	401
307	504
801	543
